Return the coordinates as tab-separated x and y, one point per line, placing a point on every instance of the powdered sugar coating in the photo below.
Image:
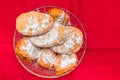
55	36
74	39
47	58
33	23
65	63
32	51
61	18
67	60
26	49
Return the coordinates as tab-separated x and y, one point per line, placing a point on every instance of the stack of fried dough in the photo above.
49	39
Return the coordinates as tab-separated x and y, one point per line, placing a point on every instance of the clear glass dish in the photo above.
34	68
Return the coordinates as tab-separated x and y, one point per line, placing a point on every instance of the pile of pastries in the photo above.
49	39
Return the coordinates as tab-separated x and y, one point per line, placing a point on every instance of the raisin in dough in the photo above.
25	50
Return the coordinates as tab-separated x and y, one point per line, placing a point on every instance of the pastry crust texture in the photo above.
33	23
59	15
49	40
54	37
64	63
74	40
25	50
46	58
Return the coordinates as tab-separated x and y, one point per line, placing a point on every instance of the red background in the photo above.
101	20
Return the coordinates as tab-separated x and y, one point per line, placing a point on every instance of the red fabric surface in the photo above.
101	20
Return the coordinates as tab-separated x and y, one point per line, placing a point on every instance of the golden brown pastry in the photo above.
33	23
46	58
25	50
54	37
49	41
74	40
64	63
59	15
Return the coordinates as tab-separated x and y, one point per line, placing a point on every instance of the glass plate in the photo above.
33	67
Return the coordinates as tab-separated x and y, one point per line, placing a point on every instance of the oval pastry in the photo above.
54	37
74	40
46	58
59	15
33	23
25	50
65	63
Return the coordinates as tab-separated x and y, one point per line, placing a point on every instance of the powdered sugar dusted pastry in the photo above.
25	50
59	15
65	63
46	58
34	23
54	37
74	40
